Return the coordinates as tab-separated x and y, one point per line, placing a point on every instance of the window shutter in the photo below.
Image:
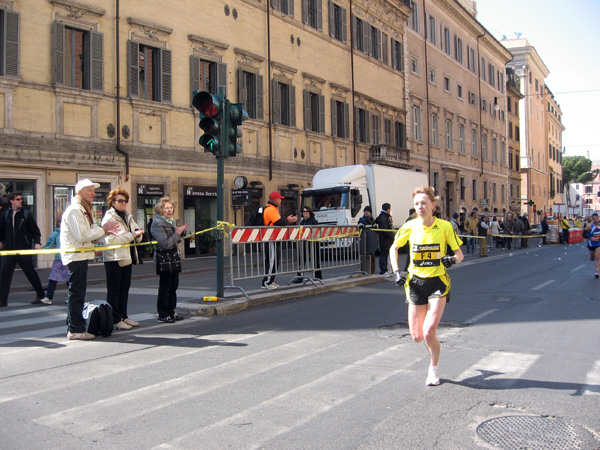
366	31
275	4
58	42
221	76
133	64
346	120
394	54
334	126
11	44
356	125
321	114
305	12
367	127
194	75
401	56
275	103
290	7
165	81
344	26
241	90
306	96
320	15
292	105
260	107
97	61
331	18
355	31
384	48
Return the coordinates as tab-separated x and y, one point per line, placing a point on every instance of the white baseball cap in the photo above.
85	183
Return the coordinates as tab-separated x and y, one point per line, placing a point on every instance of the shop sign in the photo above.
240	197
200	191
289	194
151	189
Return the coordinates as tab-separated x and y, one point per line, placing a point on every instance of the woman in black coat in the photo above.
310	248
168	236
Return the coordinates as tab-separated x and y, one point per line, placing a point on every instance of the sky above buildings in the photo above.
565	35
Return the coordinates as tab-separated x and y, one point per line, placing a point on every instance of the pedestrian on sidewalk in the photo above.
482	231
168	236
308	250
385	223
19	231
77	231
118	262
427	283
272	218
59	271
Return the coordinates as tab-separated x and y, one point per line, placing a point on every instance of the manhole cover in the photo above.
535	433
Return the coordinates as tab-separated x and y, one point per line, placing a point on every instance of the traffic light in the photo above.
530	202
234	116
211	113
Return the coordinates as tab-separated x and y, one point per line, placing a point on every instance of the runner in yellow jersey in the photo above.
427	284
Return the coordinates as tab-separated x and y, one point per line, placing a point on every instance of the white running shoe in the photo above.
270	287
433	376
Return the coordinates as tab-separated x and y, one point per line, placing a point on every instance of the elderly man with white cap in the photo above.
77	231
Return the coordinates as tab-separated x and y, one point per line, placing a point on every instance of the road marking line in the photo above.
578	268
543	285
316	398
504	368
480	316
102	370
592	381
188	386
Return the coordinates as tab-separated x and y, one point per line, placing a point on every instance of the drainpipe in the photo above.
270	93
119	149
354	149
480	103
427	98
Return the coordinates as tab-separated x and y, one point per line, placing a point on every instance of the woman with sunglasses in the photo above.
118	262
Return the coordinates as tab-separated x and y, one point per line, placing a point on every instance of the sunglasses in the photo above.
18	199
306	210
120	200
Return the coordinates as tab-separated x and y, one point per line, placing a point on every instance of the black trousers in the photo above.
118	282
272	257
9	262
167	294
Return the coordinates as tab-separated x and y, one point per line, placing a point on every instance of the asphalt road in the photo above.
520	368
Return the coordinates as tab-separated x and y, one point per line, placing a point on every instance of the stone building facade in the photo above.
457	106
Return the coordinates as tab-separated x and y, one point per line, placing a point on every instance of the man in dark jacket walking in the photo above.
386	238
18	231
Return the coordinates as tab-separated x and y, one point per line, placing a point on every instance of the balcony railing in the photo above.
390	156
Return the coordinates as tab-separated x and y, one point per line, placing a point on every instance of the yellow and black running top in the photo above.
427	246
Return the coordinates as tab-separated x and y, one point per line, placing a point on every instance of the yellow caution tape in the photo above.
52	251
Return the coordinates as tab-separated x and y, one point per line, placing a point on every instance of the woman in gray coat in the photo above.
167	236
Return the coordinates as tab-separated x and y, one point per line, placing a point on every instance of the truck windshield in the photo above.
326	199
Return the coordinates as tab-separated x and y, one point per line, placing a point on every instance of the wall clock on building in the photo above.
240	182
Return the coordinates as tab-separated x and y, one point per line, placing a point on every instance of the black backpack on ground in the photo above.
98	317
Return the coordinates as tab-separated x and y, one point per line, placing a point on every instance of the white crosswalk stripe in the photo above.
592	381
504	368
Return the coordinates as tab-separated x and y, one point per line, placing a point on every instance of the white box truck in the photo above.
339	195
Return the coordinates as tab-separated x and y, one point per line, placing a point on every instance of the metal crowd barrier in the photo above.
301	251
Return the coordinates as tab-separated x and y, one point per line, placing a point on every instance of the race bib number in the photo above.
426	255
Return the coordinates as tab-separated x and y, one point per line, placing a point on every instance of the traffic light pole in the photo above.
220	200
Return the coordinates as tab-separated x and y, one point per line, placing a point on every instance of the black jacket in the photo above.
384	222
310	221
25	233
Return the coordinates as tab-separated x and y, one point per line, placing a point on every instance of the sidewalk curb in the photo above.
231	306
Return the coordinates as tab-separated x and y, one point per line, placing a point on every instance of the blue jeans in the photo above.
76	298
470	244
